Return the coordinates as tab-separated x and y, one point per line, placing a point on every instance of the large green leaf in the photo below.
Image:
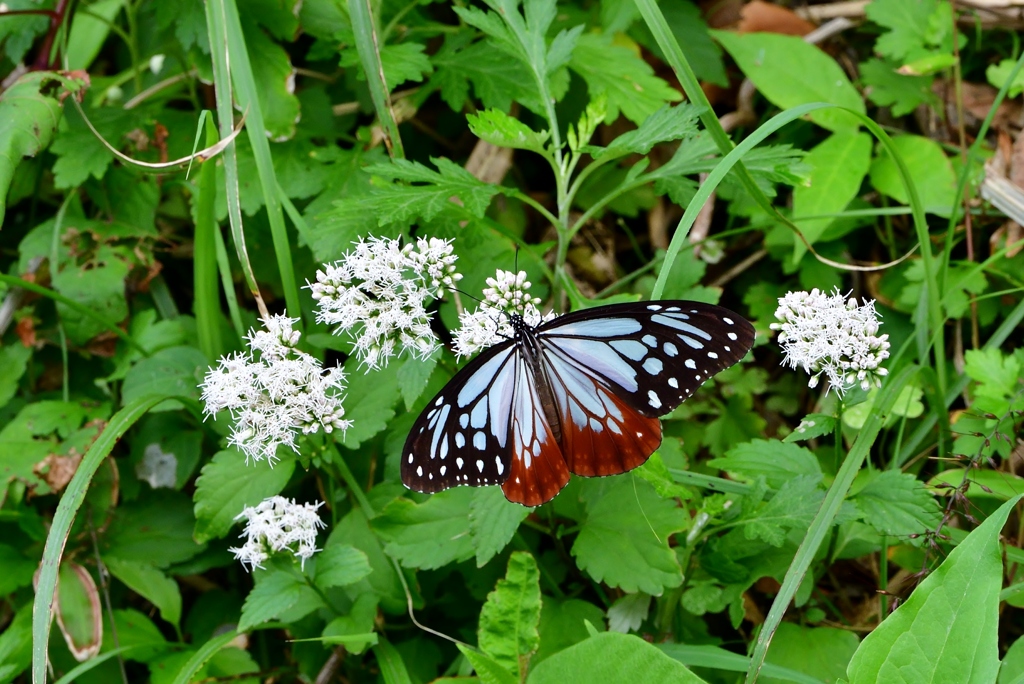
228	484
839	165
947	629
612	658
156	529
776	461
151	584
821	652
929	167
624	540
493	520
897	504
509	618
431	534
276	591
790	72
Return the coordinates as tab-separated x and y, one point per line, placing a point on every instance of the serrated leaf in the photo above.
498	128
100	288
488	671
14	360
664	125
156	529
812	425
404	62
413	376
887	87
898	504
369	404
624	540
997	375
629	612
776	461
839	165
915	26
948	627
275	592
998	74
339	565
790	72
509	617
497	80
431	534
405	202
563	623
493	520
227	485
174	371
622	76
793	506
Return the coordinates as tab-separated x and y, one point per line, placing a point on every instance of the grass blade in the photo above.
365	28
206	303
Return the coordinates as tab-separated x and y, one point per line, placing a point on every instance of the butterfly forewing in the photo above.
462	437
652	355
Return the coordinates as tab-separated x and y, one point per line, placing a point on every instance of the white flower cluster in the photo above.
378	294
273	391
278	524
830	334
506	294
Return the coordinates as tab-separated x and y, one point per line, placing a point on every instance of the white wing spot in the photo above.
517	480
712	355
410	459
671	349
690	364
480	441
419	471
728	320
459	462
654	307
732	336
697	376
430	476
443	468
498	463
439	401
673	383
672	308
639	434
480	466
727	348
653	399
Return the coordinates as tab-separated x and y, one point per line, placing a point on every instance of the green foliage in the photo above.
564	139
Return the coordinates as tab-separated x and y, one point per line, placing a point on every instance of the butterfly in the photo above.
578	394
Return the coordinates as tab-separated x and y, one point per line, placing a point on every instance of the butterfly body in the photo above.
579	394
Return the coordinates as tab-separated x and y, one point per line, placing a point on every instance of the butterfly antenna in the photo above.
412	616
642	511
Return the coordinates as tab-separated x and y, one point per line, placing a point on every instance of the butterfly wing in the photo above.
613	370
462	437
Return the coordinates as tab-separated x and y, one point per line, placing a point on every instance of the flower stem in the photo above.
350	479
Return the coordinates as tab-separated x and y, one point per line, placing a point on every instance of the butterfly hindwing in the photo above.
462	437
652	355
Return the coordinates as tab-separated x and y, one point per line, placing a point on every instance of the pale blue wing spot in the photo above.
631	349
679	325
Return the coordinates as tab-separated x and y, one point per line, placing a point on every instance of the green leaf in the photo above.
624	540
15	570
612	658
339	565
497	80
793	506
100	288
392	667
272	69
618	73
171	371
997	75
948	627
776	461
929	167
355	630
898	504
383	582
28	119
275	592
151	584
821	652
666	124
227	485
1011	670
155	529
404	62
915	27
80	154
509	617
628	612
413	376
17	34
997	375
887	87
1000	485
839	165
686	22
486	669
493	520
431	534
562	624
405	203
14	360
790	72
735	424
369	404
498	128
812	425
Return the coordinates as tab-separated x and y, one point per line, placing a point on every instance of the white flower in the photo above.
507	294
378	294
273	391
278	524
832	335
